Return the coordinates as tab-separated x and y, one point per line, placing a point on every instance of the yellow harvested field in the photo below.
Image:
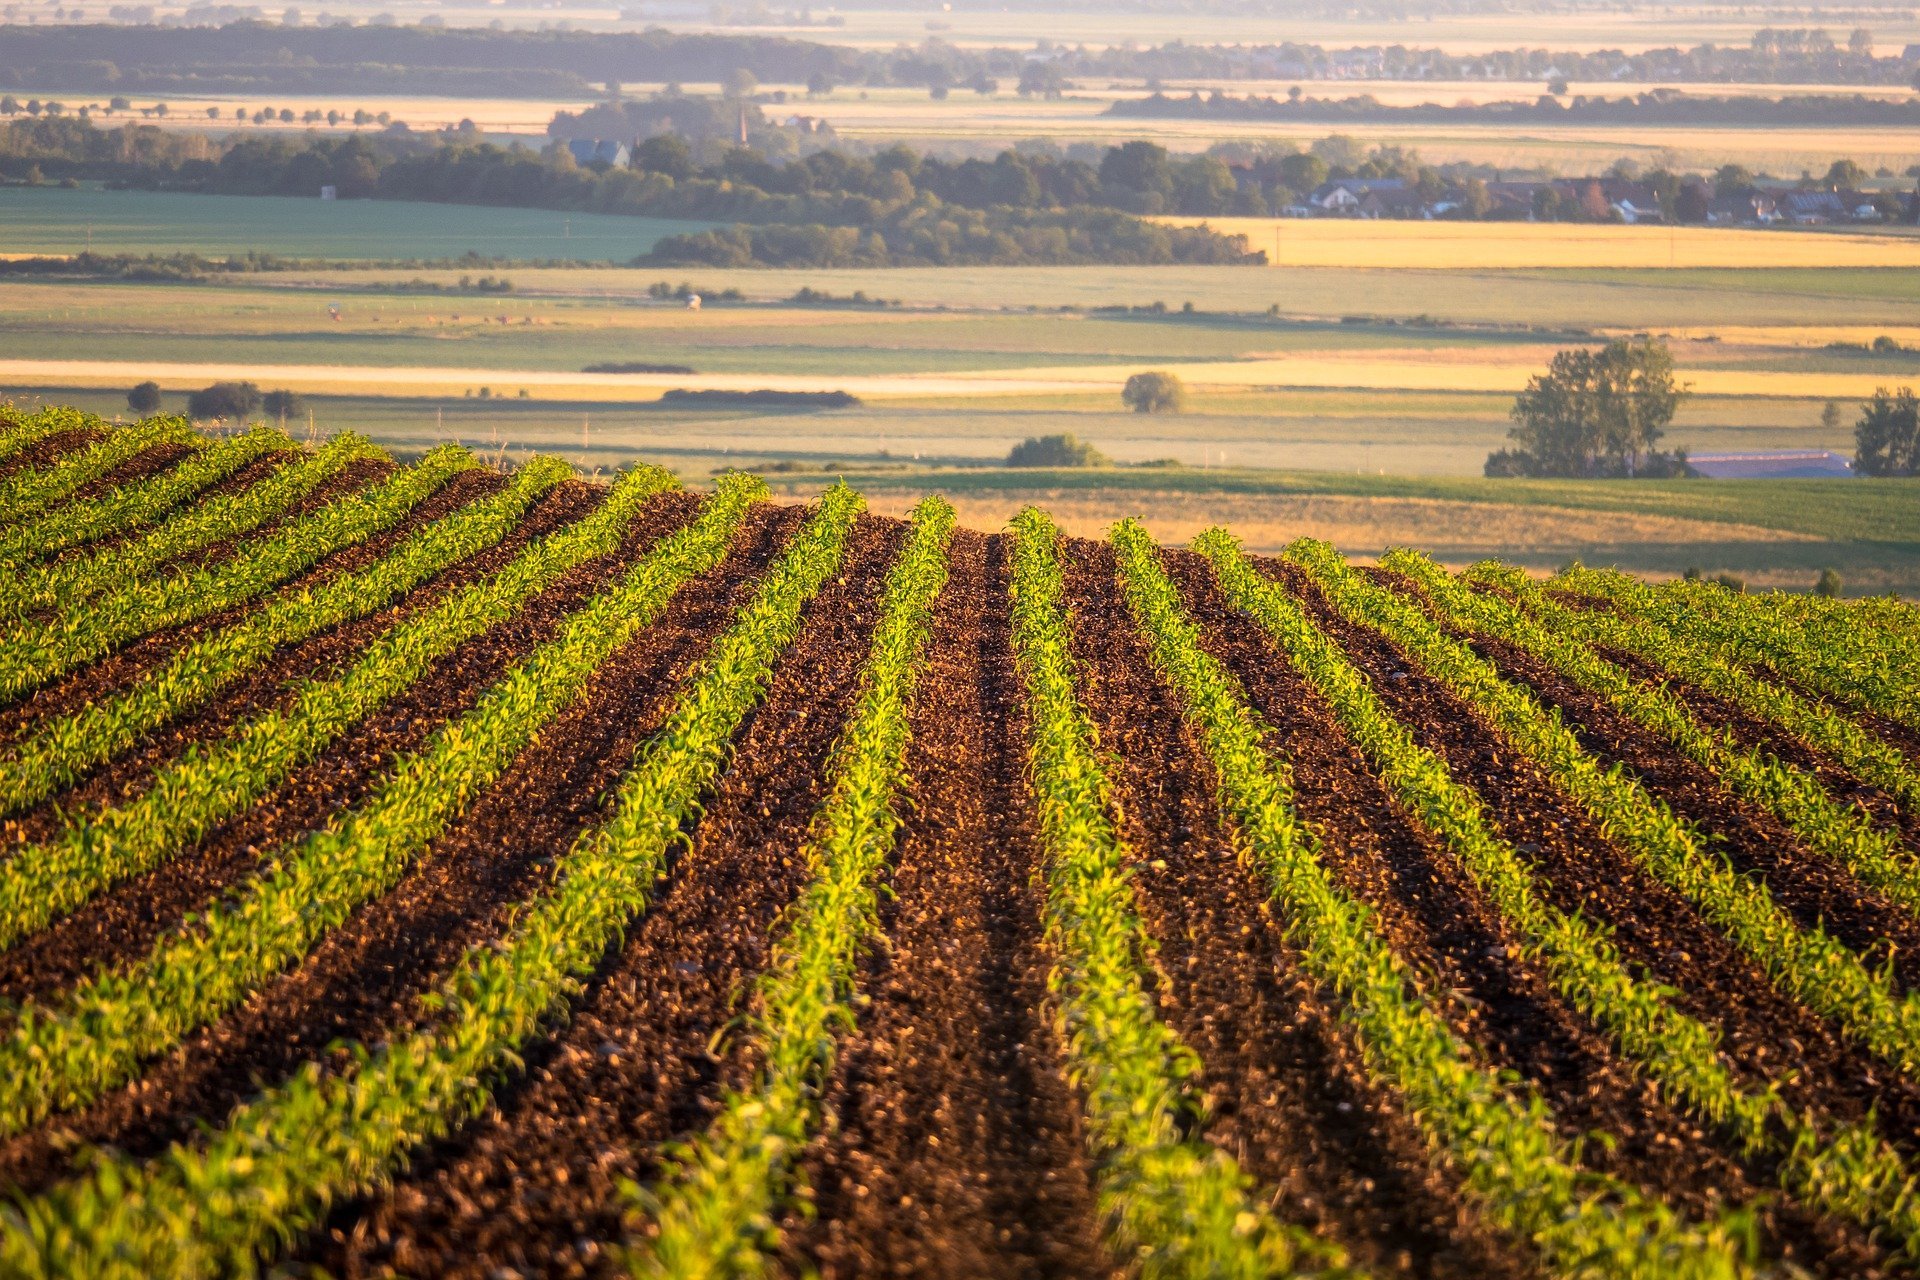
1502	370
1481	246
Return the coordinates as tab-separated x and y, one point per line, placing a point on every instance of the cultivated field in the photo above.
430	870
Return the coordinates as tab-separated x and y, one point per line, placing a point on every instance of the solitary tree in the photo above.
1887	436
1830	417
1153	392
224	400
1596	413
144	399
1828	584
740	83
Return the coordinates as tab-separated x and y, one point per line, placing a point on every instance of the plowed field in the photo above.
416	869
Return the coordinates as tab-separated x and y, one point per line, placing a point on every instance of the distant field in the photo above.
1483	246
51	220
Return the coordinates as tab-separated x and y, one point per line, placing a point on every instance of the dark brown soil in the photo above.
125	920
365	977
49	450
1292	1098
952	1145
533	1185
141	466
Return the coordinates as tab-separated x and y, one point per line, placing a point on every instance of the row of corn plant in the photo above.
1843	1169
212	783
717	1207
21	431
215	1205
1832	733
1176	1205
133	505
61	748
25	494
1805	962
61	1053
65	584
1842	664
84	632
1844	833
1502	1139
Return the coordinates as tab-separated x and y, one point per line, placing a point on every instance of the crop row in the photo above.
1179	1206
27	493
1838	661
1805	962
67	584
18	432
1844	833
718	1203
211	783
135	504
1847	1170
97	1033
1503	1140
85	632
217	1204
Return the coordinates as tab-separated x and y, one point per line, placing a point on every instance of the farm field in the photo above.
415	867
60	221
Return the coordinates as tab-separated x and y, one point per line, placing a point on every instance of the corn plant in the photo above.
717	1209
132	505
1177	1206
18	432
1793	795
62	1053
1710	667
212	783
215	1205
70	582
82	633
1840	663
1807	963
61	748
1845	1169
25	494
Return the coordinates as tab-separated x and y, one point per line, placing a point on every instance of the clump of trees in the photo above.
144	399
1887	436
1154	392
239	400
1055	451
1596	413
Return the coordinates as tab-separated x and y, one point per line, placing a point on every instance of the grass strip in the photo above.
83	633
716	1212
62	748
95	1035
1843	1169
216	1205
1845	662
1805	962
67	583
133	505
216	781
1683	651
1177	1206
1843	833
26	494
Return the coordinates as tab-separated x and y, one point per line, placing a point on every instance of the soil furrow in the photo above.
114	671
1657	932
364	978
319	657
50	449
954	1146
141	466
125	920
532	1186
1290	1093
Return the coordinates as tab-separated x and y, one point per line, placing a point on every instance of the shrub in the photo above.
1829	583
224	400
283	405
144	399
1153	393
1054	451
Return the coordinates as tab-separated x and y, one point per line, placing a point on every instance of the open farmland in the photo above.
424	869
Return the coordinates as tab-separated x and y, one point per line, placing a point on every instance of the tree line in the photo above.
1658	106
